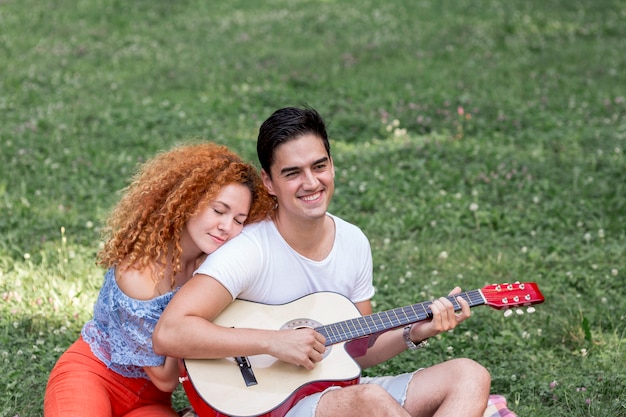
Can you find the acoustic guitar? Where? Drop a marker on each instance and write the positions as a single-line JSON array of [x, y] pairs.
[[262, 385]]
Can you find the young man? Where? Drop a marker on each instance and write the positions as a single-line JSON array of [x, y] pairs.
[[301, 250]]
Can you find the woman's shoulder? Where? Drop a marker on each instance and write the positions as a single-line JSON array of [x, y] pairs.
[[137, 286]]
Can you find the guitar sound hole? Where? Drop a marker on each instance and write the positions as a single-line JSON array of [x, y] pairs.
[[305, 324]]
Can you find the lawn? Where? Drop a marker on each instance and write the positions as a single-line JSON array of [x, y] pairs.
[[475, 142]]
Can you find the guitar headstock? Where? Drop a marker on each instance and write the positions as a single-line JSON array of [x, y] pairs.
[[519, 294]]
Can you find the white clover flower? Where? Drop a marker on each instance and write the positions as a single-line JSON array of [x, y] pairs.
[[601, 233], [443, 255], [587, 237], [27, 256], [386, 241], [402, 280], [473, 207], [614, 272], [524, 249], [399, 132], [89, 224], [536, 199]]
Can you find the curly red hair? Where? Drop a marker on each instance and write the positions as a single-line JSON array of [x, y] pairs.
[[146, 225]]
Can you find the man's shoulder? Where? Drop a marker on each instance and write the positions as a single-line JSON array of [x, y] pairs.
[[340, 222], [257, 228]]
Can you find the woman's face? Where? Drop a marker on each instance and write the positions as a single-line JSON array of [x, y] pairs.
[[221, 220]]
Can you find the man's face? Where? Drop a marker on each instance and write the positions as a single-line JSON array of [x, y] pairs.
[[302, 178]]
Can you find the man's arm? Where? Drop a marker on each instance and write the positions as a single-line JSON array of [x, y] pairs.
[[391, 343], [185, 330]]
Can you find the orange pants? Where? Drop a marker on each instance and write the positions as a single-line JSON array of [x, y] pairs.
[[80, 385]]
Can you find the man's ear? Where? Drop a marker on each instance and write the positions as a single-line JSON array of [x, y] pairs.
[[267, 181]]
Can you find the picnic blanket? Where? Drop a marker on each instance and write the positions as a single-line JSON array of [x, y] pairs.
[[496, 407]]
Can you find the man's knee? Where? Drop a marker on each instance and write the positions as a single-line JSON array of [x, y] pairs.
[[472, 371], [367, 394], [355, 400]]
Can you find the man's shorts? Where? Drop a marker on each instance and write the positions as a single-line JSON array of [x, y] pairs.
[[396, 386]]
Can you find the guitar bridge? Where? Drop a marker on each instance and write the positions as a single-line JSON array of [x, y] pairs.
[[246, 371]]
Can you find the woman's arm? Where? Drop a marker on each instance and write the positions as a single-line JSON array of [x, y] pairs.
[[165, 377]]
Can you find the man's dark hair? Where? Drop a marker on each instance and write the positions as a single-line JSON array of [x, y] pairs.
[[287, 124]]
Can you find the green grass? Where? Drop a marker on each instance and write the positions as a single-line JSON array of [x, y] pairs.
[[90, 88]]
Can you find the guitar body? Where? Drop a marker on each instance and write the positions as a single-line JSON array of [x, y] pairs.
[[216, 387]]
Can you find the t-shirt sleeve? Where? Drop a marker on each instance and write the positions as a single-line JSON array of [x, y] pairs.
[[356, 251], [234, 264], [364, 287]]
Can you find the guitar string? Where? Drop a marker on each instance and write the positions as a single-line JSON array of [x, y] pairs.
[[373, 323]]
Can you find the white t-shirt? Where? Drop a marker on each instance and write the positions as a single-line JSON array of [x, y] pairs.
[[260, 266]]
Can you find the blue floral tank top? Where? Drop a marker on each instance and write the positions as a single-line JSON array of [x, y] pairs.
[[120, 333]]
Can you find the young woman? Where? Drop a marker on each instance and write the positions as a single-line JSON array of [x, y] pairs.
[[180, 207]]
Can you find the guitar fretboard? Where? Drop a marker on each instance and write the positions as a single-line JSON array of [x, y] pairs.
[[390, 319]]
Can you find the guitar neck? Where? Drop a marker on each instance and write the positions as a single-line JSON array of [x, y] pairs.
[[390, 319]]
